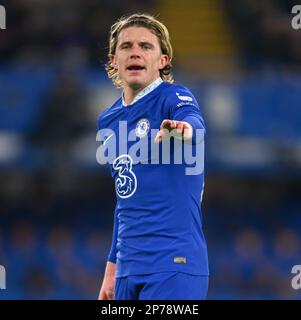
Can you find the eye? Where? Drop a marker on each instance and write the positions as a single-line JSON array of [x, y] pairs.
[[146, 46], [124, 46]]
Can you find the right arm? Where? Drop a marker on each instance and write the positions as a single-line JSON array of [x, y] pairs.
[[107, 289], [108, 284]]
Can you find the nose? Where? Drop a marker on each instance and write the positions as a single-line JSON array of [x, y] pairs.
[[136, 51]]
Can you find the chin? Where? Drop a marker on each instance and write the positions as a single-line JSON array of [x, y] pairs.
[[136, 85]]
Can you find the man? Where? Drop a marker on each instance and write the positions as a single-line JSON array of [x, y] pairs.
[[158, 249]]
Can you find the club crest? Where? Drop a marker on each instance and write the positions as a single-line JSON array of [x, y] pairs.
[[142, 128]]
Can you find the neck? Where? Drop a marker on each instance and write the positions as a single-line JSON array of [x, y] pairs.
[[129, 94]]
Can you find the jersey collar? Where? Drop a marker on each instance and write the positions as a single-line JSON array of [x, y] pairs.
[[144, 92]]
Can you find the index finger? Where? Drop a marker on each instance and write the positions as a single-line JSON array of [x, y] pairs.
[[168, 123]]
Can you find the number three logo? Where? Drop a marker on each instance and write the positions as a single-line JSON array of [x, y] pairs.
[[126, 183]]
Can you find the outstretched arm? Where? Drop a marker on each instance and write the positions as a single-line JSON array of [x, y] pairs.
[[184, 129]]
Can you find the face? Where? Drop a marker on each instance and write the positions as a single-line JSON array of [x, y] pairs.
[[138, 58]]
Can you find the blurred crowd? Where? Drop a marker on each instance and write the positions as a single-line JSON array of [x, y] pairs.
[[61, 31], [265, 33], [76, 31], [55, 238], [57, 204], [253, 229]]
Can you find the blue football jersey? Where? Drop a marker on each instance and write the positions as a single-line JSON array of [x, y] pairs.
[[158, 218]]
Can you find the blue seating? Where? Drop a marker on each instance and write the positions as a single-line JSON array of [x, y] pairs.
[[22, 98]]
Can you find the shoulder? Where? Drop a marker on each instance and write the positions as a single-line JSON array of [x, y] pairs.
[[176, 87], [177, 95], [106, 114], [176, 92]]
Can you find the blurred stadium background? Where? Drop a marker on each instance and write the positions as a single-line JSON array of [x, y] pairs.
[[241, 59]]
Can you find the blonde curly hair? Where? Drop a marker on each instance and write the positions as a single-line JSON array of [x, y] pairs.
[[146, 21]]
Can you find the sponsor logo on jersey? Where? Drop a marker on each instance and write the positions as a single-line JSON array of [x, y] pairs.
[[184, 98], [126, 183]]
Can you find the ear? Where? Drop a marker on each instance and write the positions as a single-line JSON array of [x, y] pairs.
[[163, 61], [113, 61]]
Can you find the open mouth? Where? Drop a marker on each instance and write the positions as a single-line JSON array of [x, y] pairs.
[[135, 68]]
